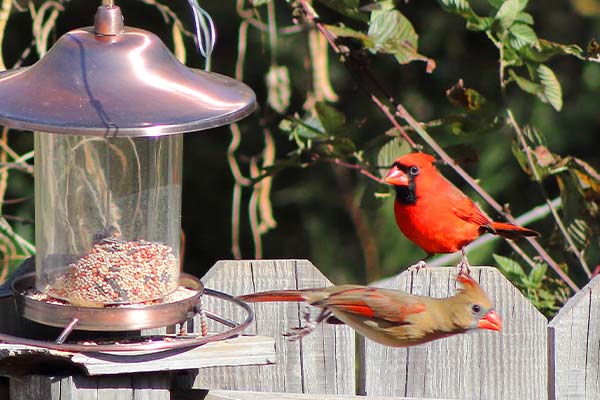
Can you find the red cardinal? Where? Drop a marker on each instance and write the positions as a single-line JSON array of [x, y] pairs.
[[392, 317], [435, 214]]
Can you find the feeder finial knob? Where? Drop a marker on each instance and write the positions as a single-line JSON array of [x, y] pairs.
[[109, 20]]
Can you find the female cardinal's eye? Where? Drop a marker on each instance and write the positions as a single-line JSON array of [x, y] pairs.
[[476, 308], [414, 170]]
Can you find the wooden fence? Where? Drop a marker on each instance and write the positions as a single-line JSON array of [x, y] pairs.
[[529, 359]]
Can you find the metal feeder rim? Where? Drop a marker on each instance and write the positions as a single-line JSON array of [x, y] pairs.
[[174, 342], [105, 318]]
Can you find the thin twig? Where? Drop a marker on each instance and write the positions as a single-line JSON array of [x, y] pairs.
[[359, 168], [572, 247]]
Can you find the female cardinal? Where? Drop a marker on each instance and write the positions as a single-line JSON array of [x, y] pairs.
[[436, 215], [392, 317]]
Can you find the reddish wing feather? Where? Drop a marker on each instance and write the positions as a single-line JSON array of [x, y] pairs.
[[370, 302], [467, 210]]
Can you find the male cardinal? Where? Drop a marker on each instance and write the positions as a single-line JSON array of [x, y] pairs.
[[392, 317], [435, 214]]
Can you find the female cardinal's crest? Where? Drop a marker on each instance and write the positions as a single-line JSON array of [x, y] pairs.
[[466, 280]]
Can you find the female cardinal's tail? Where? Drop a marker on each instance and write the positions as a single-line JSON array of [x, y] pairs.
[[273, 295], [511, 231]]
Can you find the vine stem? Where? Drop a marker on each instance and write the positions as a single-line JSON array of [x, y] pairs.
[[559, 222], [312, 16]]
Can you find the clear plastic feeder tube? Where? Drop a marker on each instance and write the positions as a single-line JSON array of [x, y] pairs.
[[108, 217]]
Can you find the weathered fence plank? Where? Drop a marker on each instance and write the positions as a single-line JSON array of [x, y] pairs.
[[241, 350], [199, 394], [42, 387], [574, 346], [322, 362], [511, 364]]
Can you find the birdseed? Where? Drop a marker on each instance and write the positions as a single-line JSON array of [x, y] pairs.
[[118, 271], [180, 294]]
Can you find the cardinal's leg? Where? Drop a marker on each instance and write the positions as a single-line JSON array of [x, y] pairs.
[[301, 331], [419, 265], [463, 265]]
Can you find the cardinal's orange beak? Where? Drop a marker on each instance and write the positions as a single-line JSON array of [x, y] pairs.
[[490, 321], [396, 177]]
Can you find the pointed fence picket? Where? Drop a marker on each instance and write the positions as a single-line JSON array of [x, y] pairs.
[[529, 359], [574, 346]]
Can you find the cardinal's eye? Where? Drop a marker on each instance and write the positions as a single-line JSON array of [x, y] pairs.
[[414, 170], [476, 308]]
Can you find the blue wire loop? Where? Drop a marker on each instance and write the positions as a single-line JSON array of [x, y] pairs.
[[206, 34]]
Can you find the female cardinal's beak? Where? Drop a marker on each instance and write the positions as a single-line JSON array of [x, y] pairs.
[[490, 321], [396, 177]]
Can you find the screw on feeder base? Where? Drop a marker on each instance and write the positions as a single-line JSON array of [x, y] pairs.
[[109, 19], [202, 313]]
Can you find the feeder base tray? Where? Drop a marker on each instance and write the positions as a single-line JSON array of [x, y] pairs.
[[121, 318]]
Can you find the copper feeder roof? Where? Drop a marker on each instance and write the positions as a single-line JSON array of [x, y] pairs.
[[115, 80]]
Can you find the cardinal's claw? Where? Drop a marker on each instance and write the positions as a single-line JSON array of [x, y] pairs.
[[421, 264], [299, 332], [463, 265]]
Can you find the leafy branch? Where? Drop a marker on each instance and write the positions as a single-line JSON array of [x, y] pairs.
[[312, 17]]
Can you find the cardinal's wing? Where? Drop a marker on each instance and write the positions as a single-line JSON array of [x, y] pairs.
[[376, 303]]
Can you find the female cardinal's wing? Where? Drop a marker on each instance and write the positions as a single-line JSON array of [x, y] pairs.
[[375, 303]]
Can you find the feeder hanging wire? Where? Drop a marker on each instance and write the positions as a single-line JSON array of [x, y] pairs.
[[206, 34]]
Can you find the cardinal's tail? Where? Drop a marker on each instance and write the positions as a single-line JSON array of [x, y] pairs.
[[511, 231], [274, 295]]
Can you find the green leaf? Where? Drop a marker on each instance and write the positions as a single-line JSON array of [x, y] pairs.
[[524, 18], [578, 215], [521, 35], [463, 9], [392, 33], [278, 86], [510, 268], [543, 50], [389, 152], [537, 274], [496, 3], [331, 119], [525, 84], [551, 90], [349, 8], [308, 128], [508, 11], [548, 89], [344, 31]]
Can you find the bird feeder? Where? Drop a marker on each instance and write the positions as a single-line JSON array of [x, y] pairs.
[[108, 105]]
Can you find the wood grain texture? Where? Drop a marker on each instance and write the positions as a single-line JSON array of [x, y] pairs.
[[323, 362], [243, 350], [574, 346], [511, 364], [198, 394], [125, 387]]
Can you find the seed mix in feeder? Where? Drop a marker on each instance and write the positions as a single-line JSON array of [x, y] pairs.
[[118, 271]]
